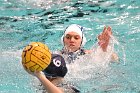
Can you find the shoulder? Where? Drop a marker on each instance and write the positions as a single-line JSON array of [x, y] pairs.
[[88, 51]]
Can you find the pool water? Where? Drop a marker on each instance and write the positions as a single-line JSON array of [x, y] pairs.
[[24, 21]]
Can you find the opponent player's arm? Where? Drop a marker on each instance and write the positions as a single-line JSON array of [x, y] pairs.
[[104, 39], [50, 87]]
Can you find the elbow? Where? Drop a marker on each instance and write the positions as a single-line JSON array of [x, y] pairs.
[[114, 57]]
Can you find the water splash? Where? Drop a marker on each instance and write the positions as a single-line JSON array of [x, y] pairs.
[[114, 42]]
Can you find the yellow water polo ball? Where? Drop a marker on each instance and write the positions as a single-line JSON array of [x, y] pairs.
[[36, 57]]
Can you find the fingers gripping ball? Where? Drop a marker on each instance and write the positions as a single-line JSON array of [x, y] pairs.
[[36, 57]]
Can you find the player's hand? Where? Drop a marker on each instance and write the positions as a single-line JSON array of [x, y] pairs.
[[104, 38], [35, 73]]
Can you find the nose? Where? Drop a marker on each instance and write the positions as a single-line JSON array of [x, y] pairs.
[[72, 39]]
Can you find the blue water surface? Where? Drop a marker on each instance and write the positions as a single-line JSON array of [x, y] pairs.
[[24, 21]]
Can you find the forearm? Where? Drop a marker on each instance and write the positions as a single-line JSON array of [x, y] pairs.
[[50, 87]]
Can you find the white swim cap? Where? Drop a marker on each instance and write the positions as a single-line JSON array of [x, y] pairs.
[[74, 28]]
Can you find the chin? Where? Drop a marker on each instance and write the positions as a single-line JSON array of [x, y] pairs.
[[73, 49]]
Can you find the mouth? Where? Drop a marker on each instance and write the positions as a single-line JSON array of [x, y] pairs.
[[71, 45]]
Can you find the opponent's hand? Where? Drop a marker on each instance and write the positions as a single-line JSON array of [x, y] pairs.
[[38, 74], [35, 73], [104, 38], [28, 71]]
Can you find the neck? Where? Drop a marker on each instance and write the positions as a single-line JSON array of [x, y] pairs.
[[70, 50], [65, 50]]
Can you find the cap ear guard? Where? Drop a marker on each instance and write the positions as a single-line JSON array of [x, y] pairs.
[[62, 40], [84, 40]]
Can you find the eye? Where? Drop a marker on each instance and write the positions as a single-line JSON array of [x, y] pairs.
[[76, 37], [68, 37]]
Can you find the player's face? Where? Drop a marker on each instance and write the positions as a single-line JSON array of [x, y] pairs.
[[72, 41]]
